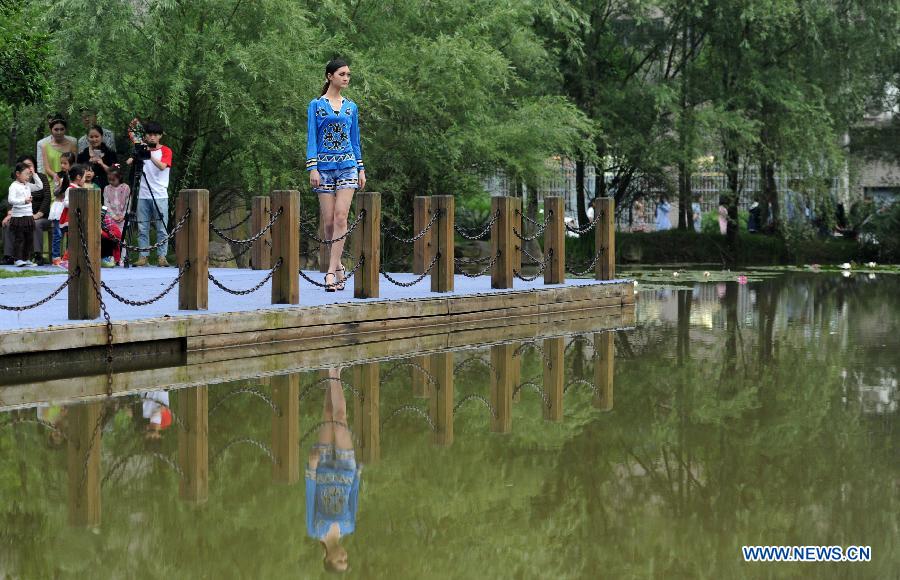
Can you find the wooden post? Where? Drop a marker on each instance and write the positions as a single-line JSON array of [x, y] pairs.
[[192, 406], [442, 398], [324, 249], [502, 361], [444, 268], [604, 369], [192, 245], [421, 385], [286, 428], [515, 374], [423, 248], [554, 240], [286, 246], [517, 244], [502, 242], [365, 282], [366, 379], [83, 302], [554, 377], [261, 252], [83, 459], [605, 238]]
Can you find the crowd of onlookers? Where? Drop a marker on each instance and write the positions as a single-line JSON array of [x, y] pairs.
[[39, 193]]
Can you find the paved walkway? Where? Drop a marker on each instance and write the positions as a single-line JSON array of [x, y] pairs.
[[143, 283]]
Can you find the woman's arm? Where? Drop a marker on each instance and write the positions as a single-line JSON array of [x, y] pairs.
[[354, 140], [312, 153]]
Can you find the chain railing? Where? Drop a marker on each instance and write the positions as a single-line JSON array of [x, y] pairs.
[[254, 237], [434, 217], [320, 424], [359, 218], [534, 387], [587, 228], [579, 383], [543, 265], [464, 261], [47, 298], [148, 301], [421, 277], [589, 269], [234, 292], [409, 364], [159, 243], [349, 275], [250, 391], [249, 440], [344, 385], [410, 408], [480, 235], [470, 360], [540, 227], [233, 227]]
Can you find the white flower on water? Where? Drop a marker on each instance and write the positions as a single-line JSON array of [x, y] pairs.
[[845, 266], [634, 282], [871, 275], [675, 274], [846, 274], [707, 274], [871, 264]]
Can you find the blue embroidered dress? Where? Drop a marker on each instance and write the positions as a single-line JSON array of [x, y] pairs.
[[332, 493], [332, 138]]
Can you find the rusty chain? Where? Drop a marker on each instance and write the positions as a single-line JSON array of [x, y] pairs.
[[309, 234], [249, 290], [255, 236], [434, 217], [470, 236], [147, 302], [427, 271]]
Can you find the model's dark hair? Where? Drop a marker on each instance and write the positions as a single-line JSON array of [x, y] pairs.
[[153, 127], [77, 171], [331, 68], [57, 121], [96, 128]]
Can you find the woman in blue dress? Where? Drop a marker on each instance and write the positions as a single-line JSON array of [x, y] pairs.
[[662, 214], [334, 161], [332, 479]]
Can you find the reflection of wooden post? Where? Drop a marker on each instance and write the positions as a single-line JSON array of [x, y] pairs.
[[260, 253], [365, 283], [554, 241], [192, 406], [421, 386], [502, 387], [444, 267], [286, 428], [423, 248], [83, 302], [554, 377], [286, 245], [442, 398], [605, 238], [83, 464], [604, 366], [502, 242], [366, 380], [517, 244], [192, 245]]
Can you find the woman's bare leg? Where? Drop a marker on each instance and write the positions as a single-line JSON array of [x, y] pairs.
[[326, 218], [341, 209], [342, 439]]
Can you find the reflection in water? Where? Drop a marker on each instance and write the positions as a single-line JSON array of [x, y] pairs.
[[332, 478], [758, 413]]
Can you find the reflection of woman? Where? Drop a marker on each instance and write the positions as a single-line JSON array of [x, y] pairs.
[[332, 479]]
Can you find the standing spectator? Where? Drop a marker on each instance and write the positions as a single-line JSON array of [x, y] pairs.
[[116, 197], [696, 213], [58, 144], [60, 202], [153, 193], [99, 155], [640, 220], [723, 217], [21, 222], [662, 214], [40, 204], [39, 150], [89, 119], [753, 218]]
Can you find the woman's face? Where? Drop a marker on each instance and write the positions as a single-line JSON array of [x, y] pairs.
[[94, 138], [340, 77], [59, 132]]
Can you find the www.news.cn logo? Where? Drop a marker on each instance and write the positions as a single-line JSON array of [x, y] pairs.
[[807, 553]]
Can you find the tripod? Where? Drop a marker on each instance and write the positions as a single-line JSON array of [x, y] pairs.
[[131, 226]]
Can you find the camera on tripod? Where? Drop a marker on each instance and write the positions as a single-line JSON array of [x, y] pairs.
[[141, 151]]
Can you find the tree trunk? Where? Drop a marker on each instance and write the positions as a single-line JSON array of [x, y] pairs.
[[770, 195], [13, 138], [732, 238], [580, 194]]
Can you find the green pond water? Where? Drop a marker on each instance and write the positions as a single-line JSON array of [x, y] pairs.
[[762, 413]]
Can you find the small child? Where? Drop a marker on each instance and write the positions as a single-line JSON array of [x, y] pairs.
[[60, 203], [115, 197], [77, 175], [22, 222]]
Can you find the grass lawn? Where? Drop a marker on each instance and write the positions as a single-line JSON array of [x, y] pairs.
[[5, 273]]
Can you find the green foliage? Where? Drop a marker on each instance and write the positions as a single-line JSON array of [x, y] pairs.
[[883, 232], [25, 66]]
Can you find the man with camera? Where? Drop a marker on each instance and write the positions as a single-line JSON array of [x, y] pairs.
[[153, 192]]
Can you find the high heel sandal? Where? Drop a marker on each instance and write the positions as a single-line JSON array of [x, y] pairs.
[[340, 284], [333, 286]]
